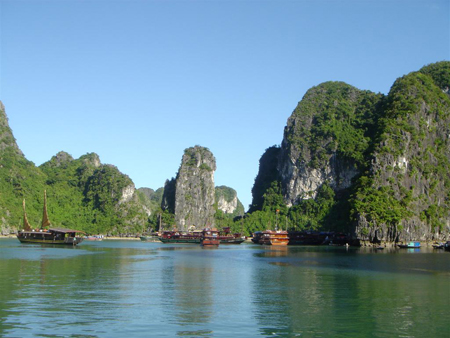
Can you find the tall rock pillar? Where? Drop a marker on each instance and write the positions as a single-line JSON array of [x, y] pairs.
[[194, 192]]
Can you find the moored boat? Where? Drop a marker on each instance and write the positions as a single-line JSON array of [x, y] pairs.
[[256, 237], [409, 245], [174, 236], [226, 237], [210, 237], [51, 236], [274, 237], [438, 245], [46, 235]]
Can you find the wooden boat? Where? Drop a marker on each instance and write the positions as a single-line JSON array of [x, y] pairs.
[[274, 237], [256, 237], [410, 245], [210, 237], [174, 236], [51, 236], [46, 235], [226, 237]]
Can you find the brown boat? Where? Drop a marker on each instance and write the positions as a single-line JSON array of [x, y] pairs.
[[175, 236], [274, 237], [210, 237], [226, 237], [46, 235]]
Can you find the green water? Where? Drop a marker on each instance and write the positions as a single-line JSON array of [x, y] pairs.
[[140, 289]]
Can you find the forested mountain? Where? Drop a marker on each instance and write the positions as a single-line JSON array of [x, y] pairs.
[[375, 166], [82, 194]]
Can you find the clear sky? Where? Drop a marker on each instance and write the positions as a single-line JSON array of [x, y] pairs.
[[137, 82]]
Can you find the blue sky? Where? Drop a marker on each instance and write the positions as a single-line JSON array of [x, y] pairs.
[[137, 82]]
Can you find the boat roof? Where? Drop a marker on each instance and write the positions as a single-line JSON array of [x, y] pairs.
[[63, 230]]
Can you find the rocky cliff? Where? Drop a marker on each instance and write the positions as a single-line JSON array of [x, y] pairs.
[[228, 202], [385, 158], [194, 191], [325, 140], [406, 196], [7, 140]]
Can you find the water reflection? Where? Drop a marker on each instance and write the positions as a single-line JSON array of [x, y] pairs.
[[136, 289], [339, 293], [188, 290]]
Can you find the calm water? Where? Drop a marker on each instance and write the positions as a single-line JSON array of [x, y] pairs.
[[139, 289]]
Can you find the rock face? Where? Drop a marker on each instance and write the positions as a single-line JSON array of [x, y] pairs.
[[411, 162], [194, 190], [316, 144], [267, 174], [228, 202], [7, 139], [386, 158]]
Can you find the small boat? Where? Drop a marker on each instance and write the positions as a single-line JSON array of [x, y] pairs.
[[410, 245], [153, 237], [226, 237], [93, 238], [438, 245], [46, 235], [447, 246], [210, 237], [274, 237]]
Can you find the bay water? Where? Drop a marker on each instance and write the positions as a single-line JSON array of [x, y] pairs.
[[141, 289]]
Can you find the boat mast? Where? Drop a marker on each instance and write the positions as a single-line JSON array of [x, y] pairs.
[[45, 220], [26, 224]]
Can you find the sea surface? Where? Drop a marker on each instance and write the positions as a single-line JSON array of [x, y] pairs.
[[140, 289]]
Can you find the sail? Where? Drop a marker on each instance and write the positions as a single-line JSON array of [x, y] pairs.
[[26, 224], [45, 220]]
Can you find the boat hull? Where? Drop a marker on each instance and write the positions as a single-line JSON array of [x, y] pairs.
[[231, 240], [210, 242], [411, 245], [180, 240], [149, 238], [76, 241]]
